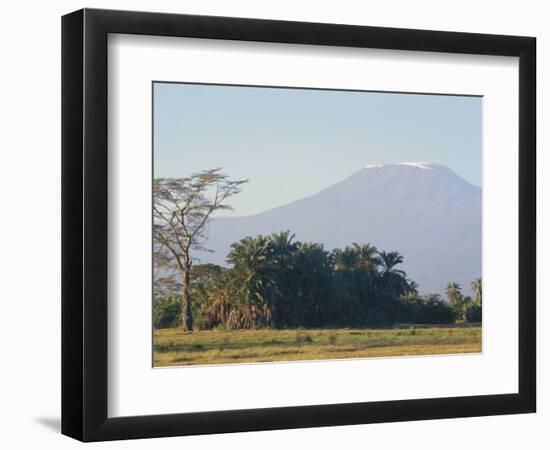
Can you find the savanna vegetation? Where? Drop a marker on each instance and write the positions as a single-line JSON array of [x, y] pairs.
[[274, 281], [172, 346], [289, 299]]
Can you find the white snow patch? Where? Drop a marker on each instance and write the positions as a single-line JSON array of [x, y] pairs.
[[419, 165]]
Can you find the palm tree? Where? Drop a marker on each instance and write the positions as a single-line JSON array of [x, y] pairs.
[[312, 279], [476, 288], [345, 259], [249, 253], [367, 256], [281, 248], [456, 299], [214, 297], [252, 280], [454, 293], [393, 279], [282, 255]]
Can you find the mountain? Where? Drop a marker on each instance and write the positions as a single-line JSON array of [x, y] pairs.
[[425, 211]]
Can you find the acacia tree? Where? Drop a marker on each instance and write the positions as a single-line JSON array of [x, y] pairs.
[[182, 207]]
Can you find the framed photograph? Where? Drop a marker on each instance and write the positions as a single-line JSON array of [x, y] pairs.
[[272, 224]]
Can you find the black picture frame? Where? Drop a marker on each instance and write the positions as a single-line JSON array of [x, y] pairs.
[[84, 224]]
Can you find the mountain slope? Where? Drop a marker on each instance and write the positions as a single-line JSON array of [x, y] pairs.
[[425, 211]]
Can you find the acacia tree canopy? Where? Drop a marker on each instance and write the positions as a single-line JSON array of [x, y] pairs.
[[182, 207]]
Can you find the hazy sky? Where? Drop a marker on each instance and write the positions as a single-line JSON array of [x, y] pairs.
[[291, 143]]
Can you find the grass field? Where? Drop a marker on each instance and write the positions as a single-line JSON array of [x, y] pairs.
[[173, 347]]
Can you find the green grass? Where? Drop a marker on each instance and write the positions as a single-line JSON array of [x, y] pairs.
[[173, 347]]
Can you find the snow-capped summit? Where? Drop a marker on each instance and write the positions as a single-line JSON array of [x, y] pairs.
[[423, 210]]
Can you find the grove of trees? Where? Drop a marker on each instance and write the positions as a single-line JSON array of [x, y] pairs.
[[277, 281]]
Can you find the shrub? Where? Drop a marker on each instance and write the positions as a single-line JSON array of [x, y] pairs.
[[438, 312], [473, 313], [426, 310], [166, 312], [303, 338]]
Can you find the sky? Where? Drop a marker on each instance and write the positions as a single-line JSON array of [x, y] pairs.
[[292, 143]]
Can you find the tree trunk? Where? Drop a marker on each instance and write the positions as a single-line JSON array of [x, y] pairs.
[[186, 311]]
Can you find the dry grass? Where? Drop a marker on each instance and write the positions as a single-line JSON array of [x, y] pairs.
[[173, 347]]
